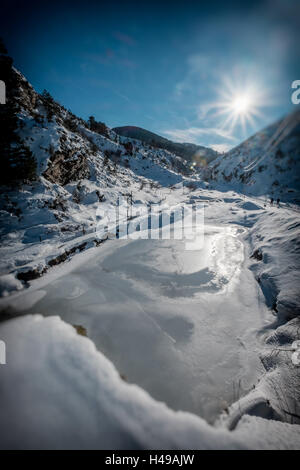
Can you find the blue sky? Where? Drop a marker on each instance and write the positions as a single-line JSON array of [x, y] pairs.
[[174, 68]]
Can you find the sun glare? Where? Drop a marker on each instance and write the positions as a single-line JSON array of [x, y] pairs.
[[241, 104]]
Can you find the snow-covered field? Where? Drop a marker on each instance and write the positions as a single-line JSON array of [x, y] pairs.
[[171, 320], [70, 396], [189, 327]]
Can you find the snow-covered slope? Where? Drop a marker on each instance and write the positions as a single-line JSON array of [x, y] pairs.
[[186, 150], [266, 164], [77, 170]]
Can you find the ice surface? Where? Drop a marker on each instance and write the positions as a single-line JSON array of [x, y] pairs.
[[181, 324]]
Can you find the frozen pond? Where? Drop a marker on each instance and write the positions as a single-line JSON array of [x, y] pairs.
[[181, 324]]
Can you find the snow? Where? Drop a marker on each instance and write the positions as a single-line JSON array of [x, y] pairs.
[[43, 216], [204, 335], [154, 292], [173, 320], [268, 434], [39, 138], [151, 305], [267, 164], [70, 396], [276, 235], [9, 284]]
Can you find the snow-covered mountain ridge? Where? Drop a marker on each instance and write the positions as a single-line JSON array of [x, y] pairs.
[[186, 150], [266, 164]]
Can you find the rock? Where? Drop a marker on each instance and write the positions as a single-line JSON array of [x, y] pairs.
[[80, 330], [65, 167], [257, 254]]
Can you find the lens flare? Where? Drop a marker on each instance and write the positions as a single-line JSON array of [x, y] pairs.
[[240, 103]]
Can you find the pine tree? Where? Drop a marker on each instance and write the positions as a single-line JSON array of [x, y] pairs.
[[92, 123], [97, 126], [48, 103]]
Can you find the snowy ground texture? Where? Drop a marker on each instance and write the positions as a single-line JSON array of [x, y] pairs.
[[183, 349], [193, 328], [60, 392]]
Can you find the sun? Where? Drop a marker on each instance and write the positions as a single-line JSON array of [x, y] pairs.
[[241, 107], [241, 104]]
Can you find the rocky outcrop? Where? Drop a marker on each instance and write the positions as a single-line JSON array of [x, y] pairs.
[[66, 167], [64, 256], [31, 274]]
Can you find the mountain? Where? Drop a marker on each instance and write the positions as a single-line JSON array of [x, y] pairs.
[[268, 163], [56, 170], [188, 151]]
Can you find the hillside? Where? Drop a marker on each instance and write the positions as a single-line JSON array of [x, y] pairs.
[[56, 171], [188, 151], [266, 164]]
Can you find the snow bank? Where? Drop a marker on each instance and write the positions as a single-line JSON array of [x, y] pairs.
[[274, 434], [8, 283], [276, 236], [58, 392]]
